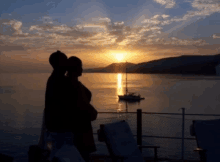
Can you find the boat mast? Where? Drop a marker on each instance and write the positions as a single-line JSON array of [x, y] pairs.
[[126, 78]]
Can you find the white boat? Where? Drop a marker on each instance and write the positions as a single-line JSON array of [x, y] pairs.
[[129, 96]]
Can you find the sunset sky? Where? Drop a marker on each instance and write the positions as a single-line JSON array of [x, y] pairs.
[[101, 32]]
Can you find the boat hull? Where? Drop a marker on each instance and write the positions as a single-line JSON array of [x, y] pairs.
[[130, 98]]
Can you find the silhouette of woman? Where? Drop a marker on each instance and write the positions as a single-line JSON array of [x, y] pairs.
[[79, 101]]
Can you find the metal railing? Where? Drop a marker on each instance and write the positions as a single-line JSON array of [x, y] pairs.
[[139, 125]]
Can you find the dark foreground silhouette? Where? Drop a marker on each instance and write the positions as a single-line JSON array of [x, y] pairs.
[[67, 107]]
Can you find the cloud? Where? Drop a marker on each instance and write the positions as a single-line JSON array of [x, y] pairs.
[[118, 23], [95, 34], [105, 19], [94, 28], [11, 27], [51, 28], [157, 20], [166, 3], [48, 29], [185, 42], [98, 20], [100, 32], [205, 4], [7, 46], [151, 22], [152, 36], [203, 8], [165, 16], [214, 36], [174, 41], [47, 20], [35, 27]]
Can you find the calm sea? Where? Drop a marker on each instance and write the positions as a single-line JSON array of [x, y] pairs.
[[22, 104]]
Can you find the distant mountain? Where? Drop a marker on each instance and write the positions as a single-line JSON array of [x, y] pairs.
[[117, 67], [98, 70], [198, 65], [201, 65], [113, 68]]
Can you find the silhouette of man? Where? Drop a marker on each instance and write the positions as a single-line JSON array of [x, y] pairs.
[[79, 101], [56, 91], [54, 119]]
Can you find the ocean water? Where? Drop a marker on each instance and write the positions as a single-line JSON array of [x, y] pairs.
[[22, 103]]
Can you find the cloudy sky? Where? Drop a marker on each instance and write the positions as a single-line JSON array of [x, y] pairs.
[[101, 32]]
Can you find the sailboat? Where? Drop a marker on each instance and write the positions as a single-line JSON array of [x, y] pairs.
[[129, 96]]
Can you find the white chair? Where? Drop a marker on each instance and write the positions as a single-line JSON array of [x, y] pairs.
[[207, 133], [120, 142]]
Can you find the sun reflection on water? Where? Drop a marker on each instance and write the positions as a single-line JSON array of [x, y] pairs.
[[119, 87]]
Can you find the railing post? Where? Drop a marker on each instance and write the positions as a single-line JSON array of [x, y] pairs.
[[139, 128], [183, 120]]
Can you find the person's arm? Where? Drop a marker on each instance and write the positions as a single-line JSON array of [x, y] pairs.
[[87, 93], [85, 107], [89, 111]]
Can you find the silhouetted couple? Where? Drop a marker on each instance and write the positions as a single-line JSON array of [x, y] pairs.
[[68, 112]]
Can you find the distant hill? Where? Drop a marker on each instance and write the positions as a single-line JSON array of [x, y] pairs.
[[98, 70], [117, 67], [198, 65], [113, 68]]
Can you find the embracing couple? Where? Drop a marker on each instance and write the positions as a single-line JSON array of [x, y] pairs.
[[68, 112]]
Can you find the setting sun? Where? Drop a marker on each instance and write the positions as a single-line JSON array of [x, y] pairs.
[[119, 56]]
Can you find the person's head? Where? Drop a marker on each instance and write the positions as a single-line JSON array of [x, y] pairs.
[[74, 66], [58, 61]]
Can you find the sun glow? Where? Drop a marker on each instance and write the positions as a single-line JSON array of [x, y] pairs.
[[119, 56]]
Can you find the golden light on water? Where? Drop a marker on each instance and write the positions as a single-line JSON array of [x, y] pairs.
[[119, 87], [119, 109]]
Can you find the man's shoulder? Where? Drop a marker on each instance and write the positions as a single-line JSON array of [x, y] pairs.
[[49, 80], [57, 79], [57, 82]]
